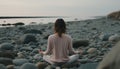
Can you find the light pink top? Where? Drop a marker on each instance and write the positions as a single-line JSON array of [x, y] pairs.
[[59, 47]]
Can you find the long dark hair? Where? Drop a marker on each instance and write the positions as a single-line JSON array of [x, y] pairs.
[[60, 27]]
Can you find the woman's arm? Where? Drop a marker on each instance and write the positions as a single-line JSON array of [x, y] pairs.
[[49, 47], [71, 49]]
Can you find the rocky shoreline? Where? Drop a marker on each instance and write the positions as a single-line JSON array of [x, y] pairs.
[[19, 45]]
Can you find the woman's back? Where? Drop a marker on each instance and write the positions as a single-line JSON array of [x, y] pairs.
[[61, 46]]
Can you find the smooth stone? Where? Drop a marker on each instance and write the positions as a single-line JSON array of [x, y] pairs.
[[6, 46], [8, 54], [49, 67], [28, 66], [79, 43], [6, 61], [10, 67], [41, 65], [104, 37], [2, 66], [33, 31], [37, 57], [26, 49], [20, 55], [91, 50], [19, 62], [114, 38], [35, 50], [27, 38]]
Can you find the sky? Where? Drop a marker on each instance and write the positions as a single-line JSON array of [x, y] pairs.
[[58, 7]]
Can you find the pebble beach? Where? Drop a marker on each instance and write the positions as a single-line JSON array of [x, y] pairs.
[[19, 45]]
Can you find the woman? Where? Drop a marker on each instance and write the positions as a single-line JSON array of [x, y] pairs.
[[59, 46]]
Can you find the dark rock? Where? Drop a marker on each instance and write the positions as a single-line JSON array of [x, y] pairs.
[[4, 24], [78, 43], [2, 66], [114, 15], [19, 62], [8, 24], [6, 46], [6, 61], [8, 54], [26, 38], [46, 36], [22, 28], [33, 31], [28, 66], [18, 24], [94, 28]]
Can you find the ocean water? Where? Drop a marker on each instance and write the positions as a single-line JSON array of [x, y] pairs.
[[31, 21]]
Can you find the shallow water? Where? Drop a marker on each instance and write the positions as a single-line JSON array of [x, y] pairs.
[[31, 21]]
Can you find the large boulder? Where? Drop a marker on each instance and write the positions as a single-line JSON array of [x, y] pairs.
[[19, 62], [78, 43], [5, 39], [33, 31], [8, 54], [112, 59], [28, 66], [6, 61], [27, 38], [6, 46], [114, 15]]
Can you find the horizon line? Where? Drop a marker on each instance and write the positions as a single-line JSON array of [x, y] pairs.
[[13, 17]]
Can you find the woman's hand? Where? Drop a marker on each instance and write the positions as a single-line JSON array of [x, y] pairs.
[[41, 52], [79, 51]]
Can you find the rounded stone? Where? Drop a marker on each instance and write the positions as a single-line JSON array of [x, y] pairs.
[[91, 50], [6, 61], [6, 46], [114, 38], [41, 65], [19, 62], [2, 66], [10, 67], [28, 66], [26, 38]]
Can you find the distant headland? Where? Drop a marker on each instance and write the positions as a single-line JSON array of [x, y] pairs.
[[14, 17]]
